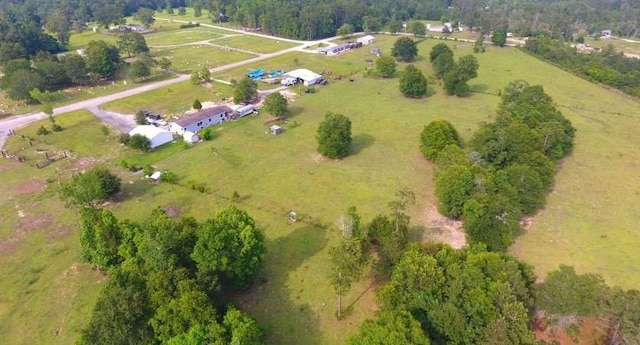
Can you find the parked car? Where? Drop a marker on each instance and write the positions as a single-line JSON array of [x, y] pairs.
[[322, 81], [288, 81]]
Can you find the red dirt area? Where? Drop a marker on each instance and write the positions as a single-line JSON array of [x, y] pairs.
[[172, 211], [589, 332], [31, 186], [6, 164]]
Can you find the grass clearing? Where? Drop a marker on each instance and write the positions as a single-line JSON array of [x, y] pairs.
[[189, 58], [590, 211], [181, 36], [254, 43], [172, 100]]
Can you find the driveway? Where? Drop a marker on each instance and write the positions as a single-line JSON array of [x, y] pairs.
[[122, 122]]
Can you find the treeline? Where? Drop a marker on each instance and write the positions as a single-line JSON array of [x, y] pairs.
[[508, 169], [608, 66]]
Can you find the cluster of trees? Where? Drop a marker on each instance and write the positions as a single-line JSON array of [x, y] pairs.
[[169, 279], [608, 66], [509, 167], [455, 75], [441, 295], [44, 71], [385, 237]]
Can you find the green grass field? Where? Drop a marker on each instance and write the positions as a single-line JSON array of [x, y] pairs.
[[588, 221], [254, 43], [188, 58], [181, 36]]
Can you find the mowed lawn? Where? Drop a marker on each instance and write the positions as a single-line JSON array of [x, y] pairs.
[[254, 43], [186, 59], [588, 222]]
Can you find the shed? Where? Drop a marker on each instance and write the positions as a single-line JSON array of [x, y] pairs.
[[155, 135], [275, 129], [155, 177], [366, 40], [190, 137], [308, 77]]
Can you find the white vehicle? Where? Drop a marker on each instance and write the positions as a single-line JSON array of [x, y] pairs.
[[288, 81]]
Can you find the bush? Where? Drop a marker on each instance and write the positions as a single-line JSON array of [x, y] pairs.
[[169, 177], [105, 130], [435, 137], [141, 118], [189, 25], [139, 142], [206, 134], [56, 127], [197, 104], [124, 139], [334, 136], [42, 131]]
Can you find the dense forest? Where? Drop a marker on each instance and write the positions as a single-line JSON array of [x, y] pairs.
[[22, 22]]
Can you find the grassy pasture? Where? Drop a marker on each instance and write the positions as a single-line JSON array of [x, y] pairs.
[[181, 36], [188, 58], [254, 43], [590, 210]]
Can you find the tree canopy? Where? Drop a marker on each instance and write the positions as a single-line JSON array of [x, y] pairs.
[[334, 136], [245, 90], [404, 49], [436, 136], [385, 66], [413, 84], [276, 104], [90, 188]]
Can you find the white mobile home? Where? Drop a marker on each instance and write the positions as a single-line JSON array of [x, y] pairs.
[[201, 119]]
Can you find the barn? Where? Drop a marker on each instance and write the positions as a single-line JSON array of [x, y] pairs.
[[366, 40], [200, 119], [156, 136], [308, 77]]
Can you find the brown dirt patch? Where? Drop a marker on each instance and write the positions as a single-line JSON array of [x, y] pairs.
[[318, 158], [60, 231], [32, 186], [33, 222], [172, 211], [442, 229], [82, 164], [7, 164], [588, 331]]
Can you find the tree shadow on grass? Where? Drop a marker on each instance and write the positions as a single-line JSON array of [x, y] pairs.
[[361, 142], [277, 306], [480, 88]]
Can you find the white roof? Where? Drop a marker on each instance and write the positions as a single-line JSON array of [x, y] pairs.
[[303, 74], [156, 175], [275, 127], [148, 131], [365, 38]]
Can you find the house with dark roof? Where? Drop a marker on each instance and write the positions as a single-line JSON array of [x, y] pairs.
[[201, 119]]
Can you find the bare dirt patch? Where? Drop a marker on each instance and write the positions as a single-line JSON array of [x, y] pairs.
[[32, 186], [318, 158], [8, 165], [82, 164], [587, 331], [442, 229], [33, 222], [172, 211]]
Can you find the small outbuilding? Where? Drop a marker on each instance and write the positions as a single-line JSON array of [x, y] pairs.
[[156, 136], [308, 77], [366, 40], [190, 137], [275, 129]]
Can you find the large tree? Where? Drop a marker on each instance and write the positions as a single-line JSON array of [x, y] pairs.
[[396, 327], [102, 59], [404, 49], [436, 136], [139, 71], [413, 84], [100, 236], [345, 31], [131, 42], [245, 91], [441, 57], [90, 188], [385, 66], [417, 28], [334, 136], [145, 16], [455, 80], [231, 246], [453, 188], [276, 104]]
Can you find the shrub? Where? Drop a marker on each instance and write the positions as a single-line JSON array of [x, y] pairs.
[[42, 131], [139, 142], [169, 177], [124, 139], [56, 127], [189, 25], [206, 134], [105, 130]]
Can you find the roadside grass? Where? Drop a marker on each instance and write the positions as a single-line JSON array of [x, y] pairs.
[[80, 40], [254, 43], [186, 59], [589, 221], [172, 100], [620, 44]]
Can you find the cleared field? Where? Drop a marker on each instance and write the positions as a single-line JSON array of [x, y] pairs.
[[181, 36], [590, 211], [79, 40], [254, 43], [188, 58], [175, 99], [627, 46]]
